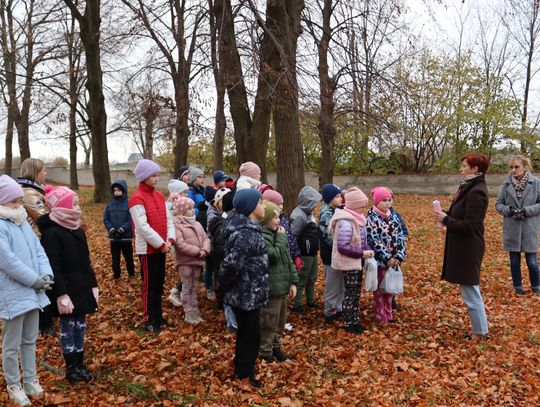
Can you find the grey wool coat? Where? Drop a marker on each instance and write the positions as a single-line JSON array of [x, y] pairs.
[[520, 235]]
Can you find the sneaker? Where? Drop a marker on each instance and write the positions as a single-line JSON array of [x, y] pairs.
[[153, 328], [314, 305], [33, 389], [17, 395], [279, 355], [519, 291], [395, 305], [191, 317], [256, 384], [174, 297], [211, 295], [354, 329], [267, 359], [198, 317], [330, 319], [299, 310]]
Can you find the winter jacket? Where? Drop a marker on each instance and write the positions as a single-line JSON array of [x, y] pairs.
[[245, 182], [520, 235], [211, 213], [217, 240], [308, 198], [33, 202], [190, 240], [294, 250], [401, 222], [70, 261], [326, 240], [243, 274], [22, 262], [197, 195], [349, 241], [153, 223], [281, 270], [385, 238], [117, 215], [464, 245]]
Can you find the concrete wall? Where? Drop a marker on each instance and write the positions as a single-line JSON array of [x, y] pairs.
[[400, 184]]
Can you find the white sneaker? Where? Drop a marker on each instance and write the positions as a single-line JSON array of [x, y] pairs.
[[191, 317], [33, 389], [211, 295], [18, 396], [198, 317], [174, 297]]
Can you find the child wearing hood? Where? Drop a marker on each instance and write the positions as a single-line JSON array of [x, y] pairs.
[[25, 274], [117, 221], [349, 247], [307, 234]]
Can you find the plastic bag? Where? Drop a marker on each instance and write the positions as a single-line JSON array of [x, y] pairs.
[[370, 274], [392, 282]]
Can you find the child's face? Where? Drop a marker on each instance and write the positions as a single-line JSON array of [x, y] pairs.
[[221, 184], [258, 213], [189, 212], [117, 192], [186, 178], [76, 203], [336, 202], [41, 176], [199, 181], [362, 210], [385, 204], [280, 206], [273, 223], [14, 204], [152, 181]]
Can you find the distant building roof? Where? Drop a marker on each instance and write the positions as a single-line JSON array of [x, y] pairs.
[[135, 157]]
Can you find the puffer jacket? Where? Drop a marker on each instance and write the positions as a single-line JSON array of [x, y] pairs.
[[117, 215], [385, 237], [294, 250], [282, 272], [308, 198], [190, 240], [243, 274], [33, 202], [197, 195], [349, 241], [245, 182], [22, 262]]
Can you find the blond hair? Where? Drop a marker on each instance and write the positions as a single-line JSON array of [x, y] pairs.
[[525, 161], [31, 167]]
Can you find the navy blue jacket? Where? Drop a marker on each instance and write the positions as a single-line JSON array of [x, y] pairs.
[[117, 215]]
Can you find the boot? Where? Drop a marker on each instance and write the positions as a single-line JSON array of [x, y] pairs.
[[191, 317], [174, 297], [198, 317], [72, 373], [83, 373]]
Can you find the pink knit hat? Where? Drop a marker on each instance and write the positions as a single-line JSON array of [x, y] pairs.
[[355, 198], [250, 169], [273, 196], [9, 189], [59, 197], [182, 203], [380, 193]]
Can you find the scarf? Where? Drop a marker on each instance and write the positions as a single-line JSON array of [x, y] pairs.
[[360, 218], [384, 215], [17, 216], [519, 185], [468, 178], [188, 219], [67, 218]]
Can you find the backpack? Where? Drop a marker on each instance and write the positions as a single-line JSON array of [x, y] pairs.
[[308, 241]]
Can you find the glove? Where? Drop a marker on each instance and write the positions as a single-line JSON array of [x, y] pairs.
[[112, 231], [120, 231], [298, 263], [512, 212], [519, 214], [95, 292], [64, 304], [48, 283], [40, 284]]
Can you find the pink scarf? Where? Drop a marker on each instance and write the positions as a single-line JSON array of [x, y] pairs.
[[360, 218], [385, 215], [67, 218]]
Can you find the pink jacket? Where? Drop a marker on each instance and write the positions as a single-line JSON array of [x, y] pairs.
[[190, 240], [349, 241]]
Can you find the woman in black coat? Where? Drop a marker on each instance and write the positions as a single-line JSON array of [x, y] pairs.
[[75, 292], [465, 246]]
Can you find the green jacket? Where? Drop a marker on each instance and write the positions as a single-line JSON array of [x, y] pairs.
[[282, 272]]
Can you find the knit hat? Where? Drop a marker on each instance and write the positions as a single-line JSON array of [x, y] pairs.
[[182, 171], [329, 192], [273, 196], [270, 212], [245, 200], [59, 197], [177, 186], [227, 201], [220, 193], [209, 193], [195, 172], [145, 169], [9, 189], [380, 193], [220, 176], [250, 169], [355, 198], [182, 204]]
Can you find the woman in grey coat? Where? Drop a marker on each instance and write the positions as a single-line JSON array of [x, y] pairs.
[[519, 203]]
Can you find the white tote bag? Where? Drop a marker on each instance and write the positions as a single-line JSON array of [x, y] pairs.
[[370, 274], [392, 282]]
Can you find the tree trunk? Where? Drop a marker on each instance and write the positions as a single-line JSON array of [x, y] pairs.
[[182, 125], [8, 163], [73, 177], [149, 137]]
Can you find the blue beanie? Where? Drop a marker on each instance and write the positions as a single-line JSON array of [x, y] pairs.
[[220, 176], [245, 200], [209, 193], [329, 192], [182, 171]]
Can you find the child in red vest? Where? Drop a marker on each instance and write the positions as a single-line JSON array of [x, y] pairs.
[[154, 237]]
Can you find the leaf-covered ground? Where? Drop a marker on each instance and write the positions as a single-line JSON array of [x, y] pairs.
[[422, 360]]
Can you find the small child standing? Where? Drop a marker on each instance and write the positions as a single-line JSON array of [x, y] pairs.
[[282, 281], [250, 176], [192, 247], [117, 221], [386, 238], [307, 234], [24, 275], [334, 288], [154, 237], [196, 193], [75, 286]]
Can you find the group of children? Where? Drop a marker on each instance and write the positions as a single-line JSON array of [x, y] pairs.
[[254, 260]]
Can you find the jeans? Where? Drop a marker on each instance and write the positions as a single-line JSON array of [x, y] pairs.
[[475, 306], [532, 265]]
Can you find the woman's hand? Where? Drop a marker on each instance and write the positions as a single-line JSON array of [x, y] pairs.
[[65, 306], [439, 216]]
